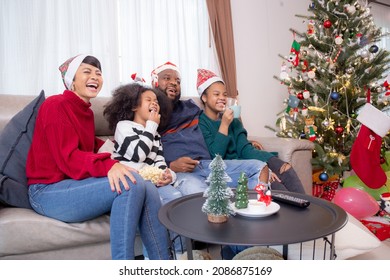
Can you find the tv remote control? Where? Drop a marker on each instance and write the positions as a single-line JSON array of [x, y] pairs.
[[300, 202]]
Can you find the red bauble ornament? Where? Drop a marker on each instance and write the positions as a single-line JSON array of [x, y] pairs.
[[300, 95], [327, 23], [382, 160], [339, 129]]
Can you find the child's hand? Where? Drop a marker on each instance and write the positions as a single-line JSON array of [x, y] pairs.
[[257, 145], [165, 178], [154, 116], [226, 120], [227, 117], [274, 178]]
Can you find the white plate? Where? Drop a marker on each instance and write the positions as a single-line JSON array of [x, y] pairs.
[[253, 212]]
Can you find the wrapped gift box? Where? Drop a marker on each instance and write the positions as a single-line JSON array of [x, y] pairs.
[[325, 189]]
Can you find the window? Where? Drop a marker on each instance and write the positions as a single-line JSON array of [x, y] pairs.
[[381, 16], [127, 36]]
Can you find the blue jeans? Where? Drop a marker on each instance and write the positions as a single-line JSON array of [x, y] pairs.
[[194, 182], [168, 193], [74, 201]]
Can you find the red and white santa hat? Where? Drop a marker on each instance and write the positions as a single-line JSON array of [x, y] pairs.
[[205, 79], [69, 68], [385, 196], [167, 65], [137, 78]]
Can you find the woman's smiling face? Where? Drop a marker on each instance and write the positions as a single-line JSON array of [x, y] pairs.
[[87, 82]]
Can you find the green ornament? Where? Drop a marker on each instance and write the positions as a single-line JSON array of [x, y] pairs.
[[241, 204], [242, 192]]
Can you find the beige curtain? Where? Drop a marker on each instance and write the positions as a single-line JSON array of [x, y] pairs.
[[222, 28]]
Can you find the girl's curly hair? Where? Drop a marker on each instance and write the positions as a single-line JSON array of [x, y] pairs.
[[126, 98]]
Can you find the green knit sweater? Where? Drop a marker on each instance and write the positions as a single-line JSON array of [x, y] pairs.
[[235, 145]]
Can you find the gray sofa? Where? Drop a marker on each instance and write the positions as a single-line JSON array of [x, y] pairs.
[[25, 234]]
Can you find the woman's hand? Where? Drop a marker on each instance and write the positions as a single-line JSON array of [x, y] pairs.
[[165, 178], [117, 174], [184, 164]]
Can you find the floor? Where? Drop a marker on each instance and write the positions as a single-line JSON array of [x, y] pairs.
[[210, 251], [213, 252]]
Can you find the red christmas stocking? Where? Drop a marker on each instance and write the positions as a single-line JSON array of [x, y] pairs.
[[294, 53], [365, 154]]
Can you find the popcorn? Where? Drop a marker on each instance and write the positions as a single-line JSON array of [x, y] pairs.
[[151, 173]]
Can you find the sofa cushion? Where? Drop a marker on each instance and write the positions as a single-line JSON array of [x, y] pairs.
[[15, 141], [23, 231], [13, 193]]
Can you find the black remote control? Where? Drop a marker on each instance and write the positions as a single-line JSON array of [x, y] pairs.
[[300, 202]]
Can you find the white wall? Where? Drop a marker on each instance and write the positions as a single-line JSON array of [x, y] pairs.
[[261, 32]]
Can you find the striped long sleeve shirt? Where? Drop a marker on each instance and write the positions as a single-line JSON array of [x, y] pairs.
[[137, 146]]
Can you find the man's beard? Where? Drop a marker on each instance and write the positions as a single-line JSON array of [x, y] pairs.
[[174, 101], [177, 98]]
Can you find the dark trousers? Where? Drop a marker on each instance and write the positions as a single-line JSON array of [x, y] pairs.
[[290, 181]]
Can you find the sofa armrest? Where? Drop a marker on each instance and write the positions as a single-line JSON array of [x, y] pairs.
[[284, 146], [297, 152]]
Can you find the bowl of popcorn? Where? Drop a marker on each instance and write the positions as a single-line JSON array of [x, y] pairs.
[[151, 173]]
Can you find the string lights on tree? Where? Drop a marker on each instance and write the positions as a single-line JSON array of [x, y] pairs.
[[334, 67]]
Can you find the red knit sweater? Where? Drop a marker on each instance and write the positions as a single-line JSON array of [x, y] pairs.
[[64, 145]]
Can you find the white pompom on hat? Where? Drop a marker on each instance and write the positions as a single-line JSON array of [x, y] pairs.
[[69, 68], [205, 79], [167, 65]]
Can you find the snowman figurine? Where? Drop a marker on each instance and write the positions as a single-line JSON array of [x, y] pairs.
[[385, 205]]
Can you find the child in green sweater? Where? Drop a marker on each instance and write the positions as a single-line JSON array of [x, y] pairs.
[[226, 136]]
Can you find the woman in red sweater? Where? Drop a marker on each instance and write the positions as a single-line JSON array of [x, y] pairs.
[[70, 181]]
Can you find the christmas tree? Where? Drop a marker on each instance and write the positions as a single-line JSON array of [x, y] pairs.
[[242, 192], [333, 69], [218, 193]]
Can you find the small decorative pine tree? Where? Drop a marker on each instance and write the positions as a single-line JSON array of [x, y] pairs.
[[218, 193], [242, 192]]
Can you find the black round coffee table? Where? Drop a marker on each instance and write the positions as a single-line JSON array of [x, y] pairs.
[[289, 225]]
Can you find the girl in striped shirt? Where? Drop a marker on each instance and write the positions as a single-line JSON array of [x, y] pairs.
[[134, 112]]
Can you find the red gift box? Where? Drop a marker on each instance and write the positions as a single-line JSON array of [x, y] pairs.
[[326, 190]]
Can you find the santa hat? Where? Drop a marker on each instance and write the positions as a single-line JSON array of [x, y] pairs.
[[136, 78], [205, 79], [68, 69], [159, 69], [374, 119], [385, 196]]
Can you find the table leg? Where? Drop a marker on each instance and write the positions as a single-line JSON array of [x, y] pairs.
[[332, 247], [285, 252], [190, 256]]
